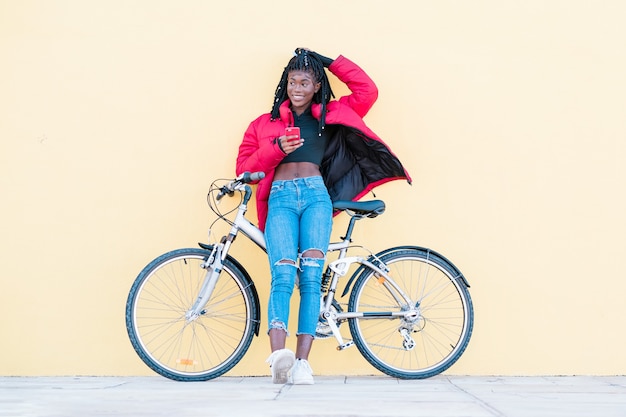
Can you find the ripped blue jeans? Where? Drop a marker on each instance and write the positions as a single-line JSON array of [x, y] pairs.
[[299, 220]]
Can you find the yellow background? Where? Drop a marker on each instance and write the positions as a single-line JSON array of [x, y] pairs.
[[510, 116]]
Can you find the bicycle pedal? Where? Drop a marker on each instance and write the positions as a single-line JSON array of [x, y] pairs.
[[345, 345]]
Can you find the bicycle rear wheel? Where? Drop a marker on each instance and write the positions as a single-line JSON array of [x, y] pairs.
[[190, 350], [430, 339]]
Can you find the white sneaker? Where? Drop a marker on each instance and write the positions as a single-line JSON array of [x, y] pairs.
[[281, 361], [301, 373]]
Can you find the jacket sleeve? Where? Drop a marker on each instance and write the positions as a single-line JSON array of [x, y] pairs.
[[364, 90], [256, 152]]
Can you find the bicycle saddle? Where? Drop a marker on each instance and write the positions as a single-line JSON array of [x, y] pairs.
[[370, 208]]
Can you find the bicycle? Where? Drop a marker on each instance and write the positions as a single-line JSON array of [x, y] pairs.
[[192, 313]]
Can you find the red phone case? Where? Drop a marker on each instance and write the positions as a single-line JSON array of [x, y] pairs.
[[290, 131]]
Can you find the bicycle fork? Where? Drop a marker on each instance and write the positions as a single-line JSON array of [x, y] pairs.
[[213, 266]]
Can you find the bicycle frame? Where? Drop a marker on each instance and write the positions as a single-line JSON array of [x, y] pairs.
[[407, 308], [338, 268]]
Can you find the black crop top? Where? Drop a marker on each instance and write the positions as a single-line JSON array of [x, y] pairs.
[[312, 150]]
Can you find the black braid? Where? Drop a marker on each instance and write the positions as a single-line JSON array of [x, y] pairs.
[[303, 61]]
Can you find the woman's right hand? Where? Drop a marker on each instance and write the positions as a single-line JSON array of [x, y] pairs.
[[289, 143]]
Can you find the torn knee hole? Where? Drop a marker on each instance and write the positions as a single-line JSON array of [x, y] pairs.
[[313, 253], [286, 262]]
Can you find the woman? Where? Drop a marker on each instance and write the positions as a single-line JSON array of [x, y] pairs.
[[336, 157]]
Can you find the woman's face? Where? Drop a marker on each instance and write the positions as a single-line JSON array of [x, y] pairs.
[[301, 88]]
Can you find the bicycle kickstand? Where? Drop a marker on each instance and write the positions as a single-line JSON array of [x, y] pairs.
[[331, 320]]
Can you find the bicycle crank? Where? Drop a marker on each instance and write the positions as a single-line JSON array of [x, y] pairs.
[[323, 329]]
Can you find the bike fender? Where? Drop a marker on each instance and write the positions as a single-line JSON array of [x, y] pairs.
[[360, 269]]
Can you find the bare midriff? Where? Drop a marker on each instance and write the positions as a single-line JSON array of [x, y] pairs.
[[292, 170]]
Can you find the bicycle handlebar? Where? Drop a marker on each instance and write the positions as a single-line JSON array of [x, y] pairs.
[[248, 177], [244, 178]]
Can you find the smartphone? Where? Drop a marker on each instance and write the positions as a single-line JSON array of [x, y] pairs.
[[291, 131]]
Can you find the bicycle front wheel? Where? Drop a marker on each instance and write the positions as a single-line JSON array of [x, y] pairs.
[[185, 349], [416, 340]]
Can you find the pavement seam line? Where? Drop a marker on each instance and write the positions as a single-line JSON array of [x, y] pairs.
[[487, 406], [284, 388]]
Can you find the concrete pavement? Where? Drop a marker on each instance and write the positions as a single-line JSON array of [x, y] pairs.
[[336, 396]]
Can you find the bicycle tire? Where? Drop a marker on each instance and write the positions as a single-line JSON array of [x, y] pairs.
[[197, 350], [441, 331]]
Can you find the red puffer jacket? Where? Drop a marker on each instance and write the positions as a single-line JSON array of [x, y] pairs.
[[356, 159]]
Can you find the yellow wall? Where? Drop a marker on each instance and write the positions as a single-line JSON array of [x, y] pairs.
[[510, 115]]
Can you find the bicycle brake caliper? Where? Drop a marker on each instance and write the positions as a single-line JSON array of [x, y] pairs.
[[341, 266]]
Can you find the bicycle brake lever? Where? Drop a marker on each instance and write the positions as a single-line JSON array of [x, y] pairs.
[[223, 191], [244, 178]]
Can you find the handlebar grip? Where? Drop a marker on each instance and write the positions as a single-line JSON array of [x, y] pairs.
[[248, 177]]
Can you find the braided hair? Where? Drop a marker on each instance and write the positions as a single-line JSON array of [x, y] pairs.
[[307, 61]]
